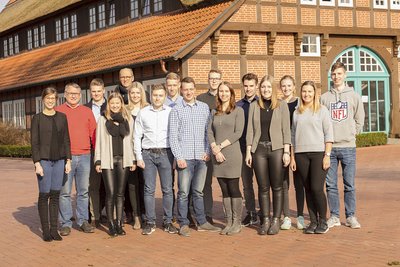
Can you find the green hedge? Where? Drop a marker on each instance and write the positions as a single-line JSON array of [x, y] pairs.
[[15, 151], [371, 139]]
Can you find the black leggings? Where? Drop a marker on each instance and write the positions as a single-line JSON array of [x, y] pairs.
[[229, 187], [299, 188], [268, 167], [115, 182], [134, 193], [309, 167]]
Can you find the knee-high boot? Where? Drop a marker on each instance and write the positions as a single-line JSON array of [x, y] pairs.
[[43, 207], [54, 207], [237, 207], [228, 214]]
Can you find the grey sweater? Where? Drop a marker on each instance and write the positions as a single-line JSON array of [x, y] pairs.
[[346, 111], [310, 131]]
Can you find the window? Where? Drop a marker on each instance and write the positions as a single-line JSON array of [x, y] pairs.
[[14, 112], [10, 46], [5, 46], [65, 28], [149, 84], [102, 15], [327, 2], [16, 44], [42, 35], [368, 63], [395, 4], [29, 39], [380, 3], [308, 2], [348, 60], [92, 19], [134, 9], [7, 110], [36, 37], [146, 8], [157, 5], [310, 45], [111, 20], [348, 3], [74, 26], [58, 30]]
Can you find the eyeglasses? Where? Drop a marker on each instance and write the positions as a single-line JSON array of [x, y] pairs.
[[72, 94], [125, 77]]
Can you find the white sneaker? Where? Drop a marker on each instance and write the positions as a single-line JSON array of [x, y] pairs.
[[287, 223], [352, 222], [300, 223], [333, 221]]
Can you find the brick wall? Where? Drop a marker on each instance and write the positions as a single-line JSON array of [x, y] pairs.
[[345, 18], [259, 67], [204, 48], [228, 43], [246, 13], [230, 70], [362, 3], [363, 19], [380, 19], [198, 69], [257, 44], [268, 14], [289, 15], [308, 16], [327, 17], [310, 70], [284, 44], [395, 20], [283, 67]]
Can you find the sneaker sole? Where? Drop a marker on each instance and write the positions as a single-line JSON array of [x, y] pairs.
[[334, 225], [212, 231], [152, 231], [170, 232], [353, 227], [320, 233]]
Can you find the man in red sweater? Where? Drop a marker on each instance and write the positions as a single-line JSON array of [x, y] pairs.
[[82, 132]]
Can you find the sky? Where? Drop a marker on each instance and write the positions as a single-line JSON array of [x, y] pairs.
[[2, 4]]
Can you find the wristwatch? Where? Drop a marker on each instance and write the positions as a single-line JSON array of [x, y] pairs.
[[328, 154]]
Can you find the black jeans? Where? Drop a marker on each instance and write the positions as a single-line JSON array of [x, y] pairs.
[[299, 188], [268, 167], [309, 167], [115, 182], [229, 187]]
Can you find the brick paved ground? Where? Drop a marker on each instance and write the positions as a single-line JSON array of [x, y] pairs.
[[377, 243]]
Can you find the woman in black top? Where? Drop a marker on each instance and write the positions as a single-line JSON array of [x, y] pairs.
[[51, 154]]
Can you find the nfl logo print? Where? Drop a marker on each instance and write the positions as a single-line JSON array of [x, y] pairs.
[[339, 111]]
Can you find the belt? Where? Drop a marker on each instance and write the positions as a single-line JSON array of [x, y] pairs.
[[265, 143], [157, 150]]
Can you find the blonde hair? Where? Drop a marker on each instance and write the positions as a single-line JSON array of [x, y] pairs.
[[274, 96], [143, 100], [290, 78], [316, 105], [125, 114]]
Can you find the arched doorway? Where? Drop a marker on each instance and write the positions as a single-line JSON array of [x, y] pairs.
[[369, 77]]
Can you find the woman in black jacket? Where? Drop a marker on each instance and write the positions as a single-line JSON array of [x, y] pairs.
[[51, 154]]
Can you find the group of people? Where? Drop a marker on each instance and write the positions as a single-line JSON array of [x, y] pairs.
[[118, 145]]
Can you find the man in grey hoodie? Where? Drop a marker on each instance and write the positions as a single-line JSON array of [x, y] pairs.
[[347, 115]]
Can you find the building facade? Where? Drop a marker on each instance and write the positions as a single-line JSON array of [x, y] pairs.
[[302, 38]]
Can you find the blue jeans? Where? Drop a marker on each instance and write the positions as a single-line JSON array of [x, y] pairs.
[[191, 180], [53, 174], [161, 162], [80, 170], [347, 158]]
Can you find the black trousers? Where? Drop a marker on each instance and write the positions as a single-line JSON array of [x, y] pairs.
[[309, 167], [115, 182], [134, 193], [299, 188], [230, 187], [268, 167]]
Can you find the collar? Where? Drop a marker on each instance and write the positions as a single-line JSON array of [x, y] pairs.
[[162, 108], [68, 105]]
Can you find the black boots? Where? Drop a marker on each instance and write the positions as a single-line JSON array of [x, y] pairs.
[[112, 231], [265, 224], [119, 229], [43, 207], [53, 208], [275, 226], [228, 215]]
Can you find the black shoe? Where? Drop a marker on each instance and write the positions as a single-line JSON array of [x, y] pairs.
[[119, 229], [55, 235], [170, 228], [311, 228], [149, 229], [322, 227], [112, 231], [275, 226], [65, 230], [47, 237], [250, 219], [210, 219], [86, 227], [264, 226]]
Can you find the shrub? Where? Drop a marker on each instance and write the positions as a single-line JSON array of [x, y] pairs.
[[15, 151], [10, 135], [371, 139]]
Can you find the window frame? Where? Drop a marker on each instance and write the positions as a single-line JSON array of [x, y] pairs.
[[111, 16], [158, 6], [384, 5], [394, 5], [134, 5], [318, 46], [308, 2], [16, 43], [65, 27], [74, 25], [101, 14], [327, 3], [36, 43], [58, 30], [42, 35], [29, 39], [92, 19], [343, 4], [10, 46], [5, 47]]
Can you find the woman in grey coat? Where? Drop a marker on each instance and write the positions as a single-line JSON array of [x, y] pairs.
[[268, 143], [224, 131]]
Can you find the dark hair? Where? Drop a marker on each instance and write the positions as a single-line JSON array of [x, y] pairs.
[[249, 77], [188, 80], [49, 91], [159, 86], [338, 65], [232, 103]]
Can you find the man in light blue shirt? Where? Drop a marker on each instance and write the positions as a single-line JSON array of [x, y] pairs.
[[153, 154], [189, 144], [173, 84]]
